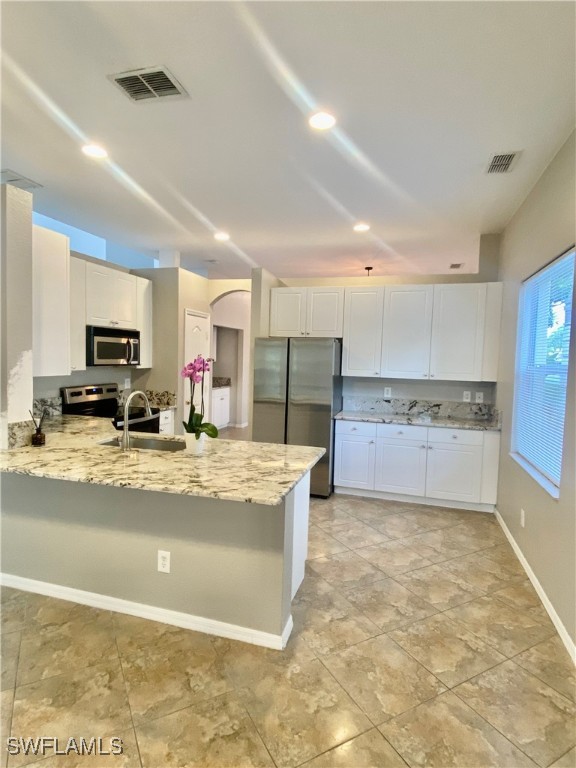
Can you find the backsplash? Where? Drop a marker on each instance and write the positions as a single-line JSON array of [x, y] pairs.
[[414, 389], [443, 409], [159, 399]]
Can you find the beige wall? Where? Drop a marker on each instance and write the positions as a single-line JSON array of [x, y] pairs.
[[542, 228]]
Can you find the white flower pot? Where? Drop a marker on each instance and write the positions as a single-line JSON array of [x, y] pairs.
[[194, 445]]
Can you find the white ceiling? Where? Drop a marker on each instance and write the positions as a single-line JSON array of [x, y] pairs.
[[424, 92]]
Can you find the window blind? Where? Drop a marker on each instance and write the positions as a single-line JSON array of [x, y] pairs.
[[542, 366]]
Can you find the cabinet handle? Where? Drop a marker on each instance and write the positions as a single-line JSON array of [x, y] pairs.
[[301, 333], [376, 373], [430, 447], [454, 437], [307, 333], [353, 429], [432, 375], [425, 375], [422, 446], [371, 442], [400, 432]]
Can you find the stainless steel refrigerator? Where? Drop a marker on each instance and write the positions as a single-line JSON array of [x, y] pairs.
[[297, 393]]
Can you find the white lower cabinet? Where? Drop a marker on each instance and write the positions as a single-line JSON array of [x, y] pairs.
[[401, 459], [167, 422], [354, 455], [220, 416], [434, 463]]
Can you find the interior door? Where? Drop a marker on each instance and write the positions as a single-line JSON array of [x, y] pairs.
[[196, 342]]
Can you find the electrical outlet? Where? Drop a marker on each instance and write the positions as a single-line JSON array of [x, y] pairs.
[[466, 396], [163, 561], [522, 518], [479, 397], [387, 391], [127, 383]]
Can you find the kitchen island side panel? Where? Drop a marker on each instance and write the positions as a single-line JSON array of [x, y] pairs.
[[229, 560]]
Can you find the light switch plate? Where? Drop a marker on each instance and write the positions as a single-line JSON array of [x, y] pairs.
[[387, 391], [479, 397], [466, 396], [127, 383]]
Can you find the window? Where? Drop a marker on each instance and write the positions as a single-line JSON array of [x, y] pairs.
[[542, 371]]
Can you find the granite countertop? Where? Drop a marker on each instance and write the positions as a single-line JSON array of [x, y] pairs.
[[421, 420], [232, 470]]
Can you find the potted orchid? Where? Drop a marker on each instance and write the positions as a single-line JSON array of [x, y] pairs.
[[195, 428]]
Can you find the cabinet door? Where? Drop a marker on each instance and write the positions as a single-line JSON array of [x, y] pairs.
[[51, 303], [458, 332], [406, 331], [354, 462], [490, 464], [454, 472], [144, 320], [288, 312], [221, 407], [99, 295], [362, 336], [492, 331], [77, 314], [400, 466], [125, 300], [325, 312]]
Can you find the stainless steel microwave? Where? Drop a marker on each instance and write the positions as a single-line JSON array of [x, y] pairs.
[[112, 346]]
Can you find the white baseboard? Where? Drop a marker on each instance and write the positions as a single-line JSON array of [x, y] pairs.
[[239, 426], [561, 629], [151, 612], [415, 499]]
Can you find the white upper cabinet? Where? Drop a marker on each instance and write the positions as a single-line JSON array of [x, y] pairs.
[[315, 312], [458, 332], [144, 320], [362, 342], [492, 331], [406, 331], [51, 303], [110, 297], [77, 314]]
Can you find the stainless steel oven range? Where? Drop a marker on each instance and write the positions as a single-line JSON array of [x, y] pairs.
[[102, 400]]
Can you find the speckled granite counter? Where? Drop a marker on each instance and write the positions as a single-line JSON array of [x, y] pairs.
[[229, 470], [423, 420]]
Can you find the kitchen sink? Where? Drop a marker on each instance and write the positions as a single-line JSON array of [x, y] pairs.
[[149, 443]]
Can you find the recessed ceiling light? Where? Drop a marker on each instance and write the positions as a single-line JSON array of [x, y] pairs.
[[322, 121], [361, 227], [221, 236], [93, 150]]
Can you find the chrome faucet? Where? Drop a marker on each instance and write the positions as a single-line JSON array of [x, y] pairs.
[[125, 444]]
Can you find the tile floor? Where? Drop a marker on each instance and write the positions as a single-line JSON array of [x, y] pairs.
[[418, 641]]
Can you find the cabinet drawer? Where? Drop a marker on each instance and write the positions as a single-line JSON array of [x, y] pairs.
[[358, 428], [402, 431], [455, 436]]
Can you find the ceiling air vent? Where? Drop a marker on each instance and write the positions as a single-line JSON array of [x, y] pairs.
[[150, 83], [502, 163], [17, 180]]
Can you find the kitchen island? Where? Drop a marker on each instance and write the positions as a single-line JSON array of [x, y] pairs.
[[85, 522]]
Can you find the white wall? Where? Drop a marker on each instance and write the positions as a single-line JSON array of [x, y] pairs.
[[543, 227]]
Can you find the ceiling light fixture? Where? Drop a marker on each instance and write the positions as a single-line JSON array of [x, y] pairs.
[[361, 227], [322, 121], [222, 237], [93, 150]]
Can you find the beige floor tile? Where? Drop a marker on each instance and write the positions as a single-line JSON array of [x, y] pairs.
[[393, 558], [175, 674], [324, 514], [6, 702], [456, 540], [212, 734], [382, 678], [445, 733], [49, 612], [370, 750], [522, 596], [74, 704], [550, 662], [322, 544], [356, 534], [133, 634], [438, 587], [326, 620], [533, 716], [14, 610], [566, 761], [54, 649], [505, 629], [10, 648], [129, 758], [446, 649], [302, 713], [398, 526], [389, 605], [345, 570], [371, 511], [480, 572]]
